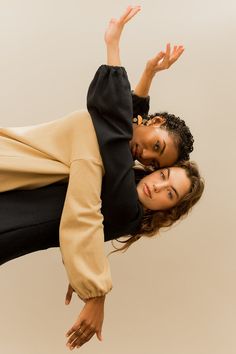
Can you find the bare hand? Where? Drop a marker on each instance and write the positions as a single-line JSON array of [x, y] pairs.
[[88, 323], [115, 27], [163, 60]]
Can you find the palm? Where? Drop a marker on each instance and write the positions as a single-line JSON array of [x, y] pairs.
[[115, 26], [164, 60], [113, 31]]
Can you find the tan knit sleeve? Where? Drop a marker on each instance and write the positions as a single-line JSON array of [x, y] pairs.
[[81, 231]]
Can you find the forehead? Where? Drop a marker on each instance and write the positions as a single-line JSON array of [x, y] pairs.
[[170, 154], [178, 173], [179, 179]]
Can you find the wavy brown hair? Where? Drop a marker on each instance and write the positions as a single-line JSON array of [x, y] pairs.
[[153, 221]]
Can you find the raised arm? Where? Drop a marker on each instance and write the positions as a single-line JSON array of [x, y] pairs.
[[112, 37], [113, 34], [109, 103], [162, 61]]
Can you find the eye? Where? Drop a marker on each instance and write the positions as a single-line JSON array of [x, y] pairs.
[[157, 146], [170, 195], [162, 175]]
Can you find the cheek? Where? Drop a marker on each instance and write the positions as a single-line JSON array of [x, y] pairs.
[[161, 202], [144, 135], [140, 136]]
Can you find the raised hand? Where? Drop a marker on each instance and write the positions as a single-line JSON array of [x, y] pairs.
[[161, 61], [164, 60], [115, 27]]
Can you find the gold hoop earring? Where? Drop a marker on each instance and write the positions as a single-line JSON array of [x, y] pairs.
[[138, 120]]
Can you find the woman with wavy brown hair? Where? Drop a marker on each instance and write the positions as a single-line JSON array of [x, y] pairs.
[[154, 221]]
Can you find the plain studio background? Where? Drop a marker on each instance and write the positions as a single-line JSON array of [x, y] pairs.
[[172, 295]]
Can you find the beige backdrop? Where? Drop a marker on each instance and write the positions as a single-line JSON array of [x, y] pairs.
[[172, 295]]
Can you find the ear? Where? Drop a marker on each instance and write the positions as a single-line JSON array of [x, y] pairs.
[[156, 121]]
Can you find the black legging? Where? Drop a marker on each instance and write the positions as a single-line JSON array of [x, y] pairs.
[[29, 220]]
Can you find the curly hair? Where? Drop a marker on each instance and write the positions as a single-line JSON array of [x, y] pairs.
[[181, 132], [153, 221]]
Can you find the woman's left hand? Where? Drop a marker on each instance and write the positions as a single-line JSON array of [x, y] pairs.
[[88, 323], [115, 27], [163, 60]]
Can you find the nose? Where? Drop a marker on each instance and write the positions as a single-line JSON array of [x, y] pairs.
[[158, 187], [147, 156]]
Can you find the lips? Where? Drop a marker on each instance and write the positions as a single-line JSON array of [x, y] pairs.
[[136, 151], [147, 191]]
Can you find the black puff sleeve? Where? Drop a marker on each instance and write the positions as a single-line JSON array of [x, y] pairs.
[[141, 105], [109, 103]]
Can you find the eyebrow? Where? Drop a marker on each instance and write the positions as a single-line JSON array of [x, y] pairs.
[[163, 149], [177, 194]]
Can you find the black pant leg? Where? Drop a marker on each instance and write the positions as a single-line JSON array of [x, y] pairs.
[[30, 219]]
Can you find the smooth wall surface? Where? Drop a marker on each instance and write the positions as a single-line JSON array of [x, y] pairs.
[[172, 295]]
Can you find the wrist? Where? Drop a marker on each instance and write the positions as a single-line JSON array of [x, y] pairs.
[[113, 55], [149, 74], [98, 299], [113, 44]]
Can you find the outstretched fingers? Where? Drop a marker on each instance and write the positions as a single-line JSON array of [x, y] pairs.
[[166, 58], [177, 52], [130, 12], [79, 336]]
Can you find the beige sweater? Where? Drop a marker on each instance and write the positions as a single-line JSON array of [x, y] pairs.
[[65, 149]]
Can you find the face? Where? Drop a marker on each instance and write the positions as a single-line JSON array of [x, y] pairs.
[[152, 145], [164, 188]]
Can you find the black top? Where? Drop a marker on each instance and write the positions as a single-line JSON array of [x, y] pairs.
[[109, 103], [30, 219], [141, 105]]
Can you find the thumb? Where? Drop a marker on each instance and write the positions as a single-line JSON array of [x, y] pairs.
[[99, 334], [68, 295]]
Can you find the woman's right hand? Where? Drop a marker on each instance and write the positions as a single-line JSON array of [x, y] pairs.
[[164, 59], [161, 61], [115, 27]]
